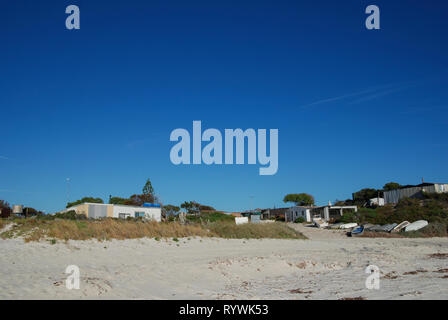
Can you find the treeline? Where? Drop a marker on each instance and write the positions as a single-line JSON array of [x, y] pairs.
[[147, 196], [6, 210], [361, 197]]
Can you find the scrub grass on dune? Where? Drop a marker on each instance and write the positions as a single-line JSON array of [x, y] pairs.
[[254, 231], [3, 223], [35, 230], [107, 229]]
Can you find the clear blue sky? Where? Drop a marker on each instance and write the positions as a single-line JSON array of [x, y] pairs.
[[354, 108]]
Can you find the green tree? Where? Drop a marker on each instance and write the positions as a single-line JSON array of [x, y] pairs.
[[171, 210], [364, 195], [4, 204], [28, 211], [5, 208], [83, 200], [192, 207], [391, 186], [118, 200], [203, 207], [299, 199], [139, 199], [148, 189]]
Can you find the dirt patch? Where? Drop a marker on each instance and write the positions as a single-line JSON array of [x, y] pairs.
[[415, 272], [300, 291], [442, 271], [373, 234], [413, 293], [439, 255], [390, 275], [354, 298]]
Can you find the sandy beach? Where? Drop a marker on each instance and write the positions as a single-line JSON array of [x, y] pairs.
[[327, 266]]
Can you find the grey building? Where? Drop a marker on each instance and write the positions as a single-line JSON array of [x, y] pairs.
[[411, 191]]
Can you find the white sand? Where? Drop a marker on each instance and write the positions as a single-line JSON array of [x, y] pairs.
[[329, 266]]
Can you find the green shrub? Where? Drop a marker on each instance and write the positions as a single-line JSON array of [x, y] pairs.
[[70, 215], [299, 220], [272, 230], [434, 209], [347, 218], [434, 229], [441, 197], [206, 217]]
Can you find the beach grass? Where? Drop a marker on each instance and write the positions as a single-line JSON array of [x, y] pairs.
[[276, 230], [107, 229], [3, 223]]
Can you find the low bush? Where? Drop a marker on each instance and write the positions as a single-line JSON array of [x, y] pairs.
[[3, 223], [347, 218], [70, 215], [434, 209], [210, 217], [433, 229], [299, 220], [254, 231]]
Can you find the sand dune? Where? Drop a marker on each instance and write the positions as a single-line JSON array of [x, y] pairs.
[[328, 266]]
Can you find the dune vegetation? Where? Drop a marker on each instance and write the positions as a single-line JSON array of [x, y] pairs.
[[274, 230], [432, 208], [110, 228], [3, 223]]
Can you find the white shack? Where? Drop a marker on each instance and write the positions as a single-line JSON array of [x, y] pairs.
[[102, 210], [309, 213]]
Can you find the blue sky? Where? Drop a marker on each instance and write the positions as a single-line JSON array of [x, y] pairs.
[[354, 108]]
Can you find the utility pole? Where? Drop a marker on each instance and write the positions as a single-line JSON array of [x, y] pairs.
[[378, 204], [68, 190]]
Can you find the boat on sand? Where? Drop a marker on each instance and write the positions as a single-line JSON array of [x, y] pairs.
[[320, 223], [348, 225], [417, 225], [357, 231], [400, 226]]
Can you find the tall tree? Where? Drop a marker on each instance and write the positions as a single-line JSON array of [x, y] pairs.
[[299, 199], [148, 189], [391, 186]]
